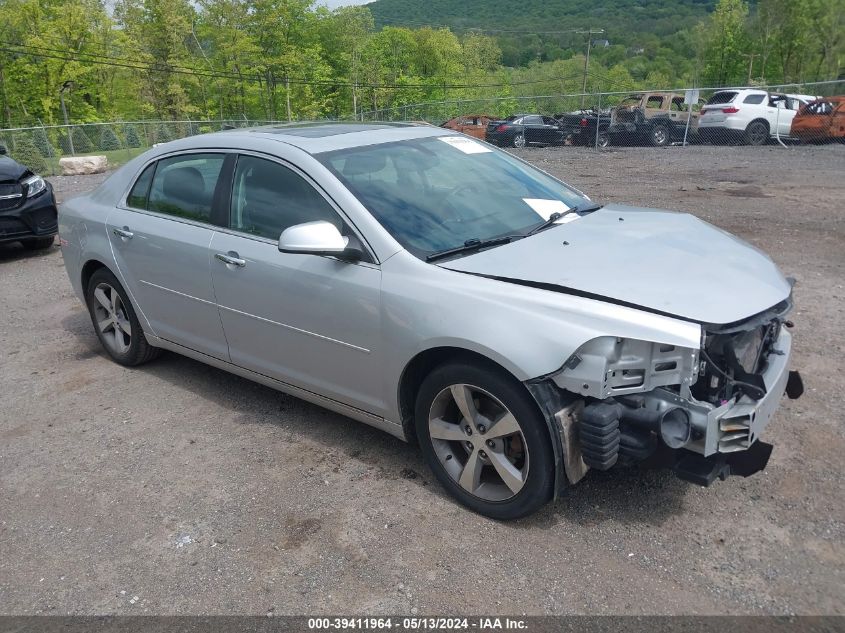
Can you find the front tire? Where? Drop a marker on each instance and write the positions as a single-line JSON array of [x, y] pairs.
[[115, 321], [485, 440]]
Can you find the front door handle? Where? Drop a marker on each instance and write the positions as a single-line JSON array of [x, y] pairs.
[[231, 258], [124, 233]]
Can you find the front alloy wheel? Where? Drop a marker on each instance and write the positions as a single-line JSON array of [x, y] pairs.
[[478, 442], [485, 439]]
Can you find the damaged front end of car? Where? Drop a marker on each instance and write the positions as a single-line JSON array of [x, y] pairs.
[[700, 412]]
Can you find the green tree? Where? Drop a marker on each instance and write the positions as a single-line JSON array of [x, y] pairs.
[[26, 153], [81, 143], [723, 41], [132, 138], [109, 140], [160, 32], [42, 142]]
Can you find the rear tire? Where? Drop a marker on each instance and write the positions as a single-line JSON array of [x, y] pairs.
[[483, 460], [38, 243], [519, 141], [659, 136], [115, 321], [604, 140], [757, 133]]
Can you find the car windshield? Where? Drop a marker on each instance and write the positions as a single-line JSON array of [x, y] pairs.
[[438, 193]]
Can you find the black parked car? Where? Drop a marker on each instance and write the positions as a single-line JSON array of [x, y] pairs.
[[580, 127], [520, 130], [27, 206]]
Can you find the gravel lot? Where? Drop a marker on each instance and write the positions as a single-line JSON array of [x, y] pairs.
[[178, 488]]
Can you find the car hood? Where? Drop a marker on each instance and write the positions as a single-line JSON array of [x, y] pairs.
[[661, 261], [11, 169]]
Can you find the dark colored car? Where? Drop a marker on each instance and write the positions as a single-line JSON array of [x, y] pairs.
[[521, 130], [27, 206], [580, 127]]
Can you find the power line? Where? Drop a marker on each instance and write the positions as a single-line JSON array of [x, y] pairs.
[[135, 64]]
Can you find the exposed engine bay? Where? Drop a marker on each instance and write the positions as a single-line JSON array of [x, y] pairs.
[[698, 411]]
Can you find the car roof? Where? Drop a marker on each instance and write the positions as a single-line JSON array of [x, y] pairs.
[[316, 138]]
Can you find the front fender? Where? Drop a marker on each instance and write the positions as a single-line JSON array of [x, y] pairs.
[[529, 331]]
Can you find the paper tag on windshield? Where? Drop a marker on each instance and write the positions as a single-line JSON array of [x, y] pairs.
[[465, 144], [545, 208]]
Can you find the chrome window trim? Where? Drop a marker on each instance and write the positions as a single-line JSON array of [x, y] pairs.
[[314, 185], [122, 204]]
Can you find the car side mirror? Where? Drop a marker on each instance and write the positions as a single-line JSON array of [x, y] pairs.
[[319, 238]]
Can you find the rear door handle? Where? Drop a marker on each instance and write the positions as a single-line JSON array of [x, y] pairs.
[[231, 258], [124, 233]]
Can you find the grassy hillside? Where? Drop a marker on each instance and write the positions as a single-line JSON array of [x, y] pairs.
[[629, 23]]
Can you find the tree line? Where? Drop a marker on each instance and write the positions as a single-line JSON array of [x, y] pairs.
[[290, 59]]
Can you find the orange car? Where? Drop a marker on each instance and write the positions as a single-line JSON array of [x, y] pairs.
[[820, 120], [471, 124]]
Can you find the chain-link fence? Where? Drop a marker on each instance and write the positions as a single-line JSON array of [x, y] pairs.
[[811, 113], [759, 115], [40, 148]]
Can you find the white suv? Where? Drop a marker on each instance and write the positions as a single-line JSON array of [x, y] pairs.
[[748, 116]]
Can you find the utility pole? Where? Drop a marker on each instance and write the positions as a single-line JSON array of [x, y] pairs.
[[750, 57], [67, 86], [589, 33]]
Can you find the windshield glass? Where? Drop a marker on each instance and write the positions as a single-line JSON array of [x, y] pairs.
[[437, 193]]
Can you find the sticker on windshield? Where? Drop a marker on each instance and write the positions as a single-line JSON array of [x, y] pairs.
[[545, 208], [465, 144]]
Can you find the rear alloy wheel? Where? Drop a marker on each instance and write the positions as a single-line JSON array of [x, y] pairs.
[[485, 440], [519, 140], [659, 136], [604, 140], [115, 321], [38, 243], [757, 133]]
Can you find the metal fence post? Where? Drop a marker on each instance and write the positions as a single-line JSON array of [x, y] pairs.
[[598, 121]]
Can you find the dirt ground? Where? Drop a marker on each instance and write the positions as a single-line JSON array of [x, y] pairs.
[[178, 488]]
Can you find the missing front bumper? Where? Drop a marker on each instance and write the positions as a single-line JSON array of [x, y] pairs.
[[704, 471]]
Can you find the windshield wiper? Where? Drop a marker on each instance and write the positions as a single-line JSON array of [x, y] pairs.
[[471, 245], [554, 217]]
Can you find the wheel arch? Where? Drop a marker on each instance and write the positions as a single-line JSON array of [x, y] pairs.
[[88, 269], [424, 362], [759, 120], [538, 392]]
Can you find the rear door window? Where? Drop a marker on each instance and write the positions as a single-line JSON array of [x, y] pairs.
[[725, 96], [183, 186], [754, 99], [137, 198]]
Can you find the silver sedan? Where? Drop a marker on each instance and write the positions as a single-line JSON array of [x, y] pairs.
[[442, 290]]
